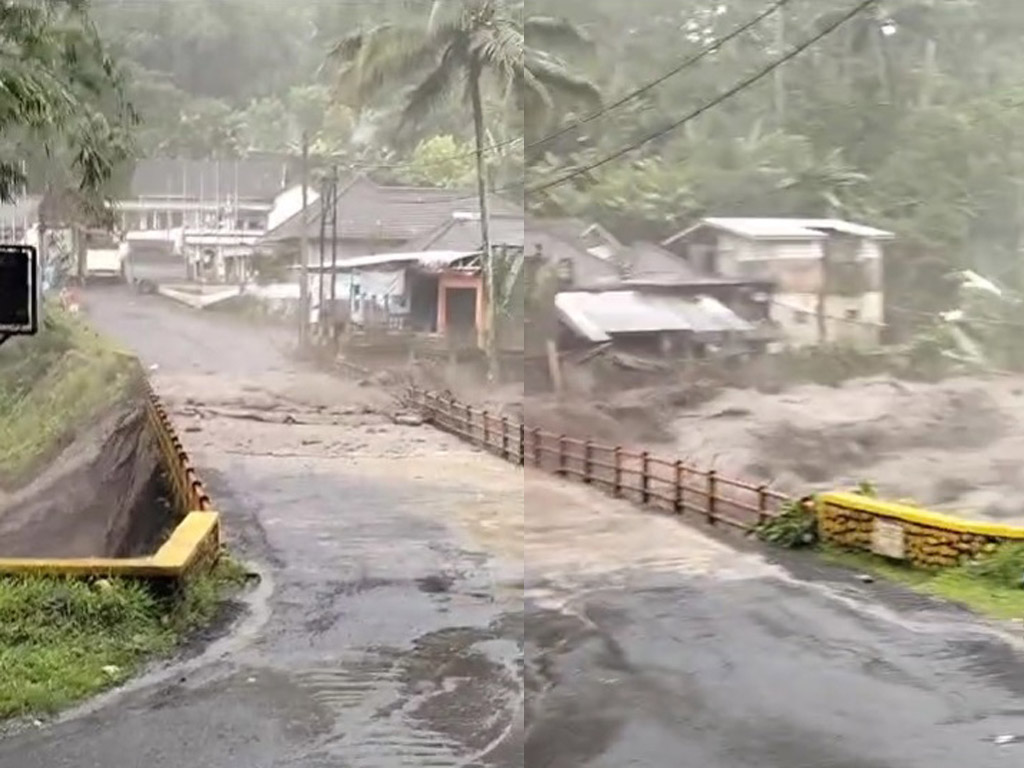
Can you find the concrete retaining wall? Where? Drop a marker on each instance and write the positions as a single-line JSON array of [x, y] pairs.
[[915, 535], [191, 549]]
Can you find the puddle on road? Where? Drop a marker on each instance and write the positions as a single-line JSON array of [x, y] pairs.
[[439, 703]]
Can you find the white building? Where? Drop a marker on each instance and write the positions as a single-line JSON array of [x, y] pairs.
[[209, 213], [822, 269]]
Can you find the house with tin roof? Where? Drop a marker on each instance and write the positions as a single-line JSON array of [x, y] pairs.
[[461, 232], [373, 218], [828, 273]]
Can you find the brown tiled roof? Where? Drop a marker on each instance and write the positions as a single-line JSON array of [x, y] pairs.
[[647, 260], [463, 234], [369, 211], [560, 239]]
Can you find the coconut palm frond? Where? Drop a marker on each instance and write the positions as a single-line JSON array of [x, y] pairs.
[[556, 77], [554, 32], [376, 59], [437, 86], [346, 49], [500, 49]]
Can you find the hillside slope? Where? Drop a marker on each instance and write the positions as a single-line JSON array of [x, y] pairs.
[[76, 458]]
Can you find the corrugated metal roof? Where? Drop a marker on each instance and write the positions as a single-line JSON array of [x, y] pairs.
[[599, 315], [561, 239], [649, 260], [785, 228], [426, 259], [261, 179], [796, 228]]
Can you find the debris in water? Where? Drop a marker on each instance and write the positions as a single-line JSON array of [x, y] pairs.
[[408, 419], [866, 578], [1007, 739]]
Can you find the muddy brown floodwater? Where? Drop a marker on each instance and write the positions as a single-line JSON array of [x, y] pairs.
[[955, 445], [428, 605]]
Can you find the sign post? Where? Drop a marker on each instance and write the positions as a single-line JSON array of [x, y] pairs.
[[888, 539], [19, 291]]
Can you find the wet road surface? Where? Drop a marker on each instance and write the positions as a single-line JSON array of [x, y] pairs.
[[408, 601]]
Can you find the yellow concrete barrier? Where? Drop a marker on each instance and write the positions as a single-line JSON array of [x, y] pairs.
[[191, 548], [916, 535]]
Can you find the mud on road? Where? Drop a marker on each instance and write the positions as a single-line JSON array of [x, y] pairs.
[[427, 605]]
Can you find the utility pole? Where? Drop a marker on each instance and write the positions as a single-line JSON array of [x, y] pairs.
[[304, 248], [334, 247], [493, 372], [325, 200], [824, 287]]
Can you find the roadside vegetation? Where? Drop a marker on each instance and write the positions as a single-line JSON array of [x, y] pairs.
[[51, 385], [64, 640], [991, 585]]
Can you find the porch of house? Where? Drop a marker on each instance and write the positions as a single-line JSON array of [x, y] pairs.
[[436, 310]]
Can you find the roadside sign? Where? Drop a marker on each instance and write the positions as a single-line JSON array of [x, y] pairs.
[[19, 287], [888, 539]]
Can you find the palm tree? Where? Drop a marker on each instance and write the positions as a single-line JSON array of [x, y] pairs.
[[470, 43], [553, 81]]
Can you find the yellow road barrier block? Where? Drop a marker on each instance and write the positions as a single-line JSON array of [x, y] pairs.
[[193, 546], [921, 516], [904, 532]]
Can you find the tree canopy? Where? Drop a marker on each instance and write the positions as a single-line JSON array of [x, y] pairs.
[[907, 117], [64, 117]]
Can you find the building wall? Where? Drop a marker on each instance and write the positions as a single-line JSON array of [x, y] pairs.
[[853, 320], [459, 280], [288, 204], [794, 266], [149, 215]]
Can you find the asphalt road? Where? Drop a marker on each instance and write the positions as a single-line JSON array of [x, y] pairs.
[[408, 602]]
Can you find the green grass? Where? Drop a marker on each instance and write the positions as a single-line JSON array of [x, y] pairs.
[[63, 640], [990, 587], [52, 384]]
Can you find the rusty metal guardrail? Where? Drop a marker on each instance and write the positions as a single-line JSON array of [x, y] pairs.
[[670, 485], [897, 531], [189, 493]]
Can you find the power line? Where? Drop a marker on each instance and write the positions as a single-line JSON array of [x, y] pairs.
[[632, 95], [725, 96], [690, 61], [707, 50], [410, 4]]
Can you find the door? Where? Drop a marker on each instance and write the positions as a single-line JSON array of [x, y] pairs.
[[460, 315]]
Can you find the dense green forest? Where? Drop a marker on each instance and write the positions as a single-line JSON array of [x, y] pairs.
[[909, 116]]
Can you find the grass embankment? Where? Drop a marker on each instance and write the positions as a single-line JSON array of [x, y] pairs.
[[992, 585], [63, 640], [52, 384]]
